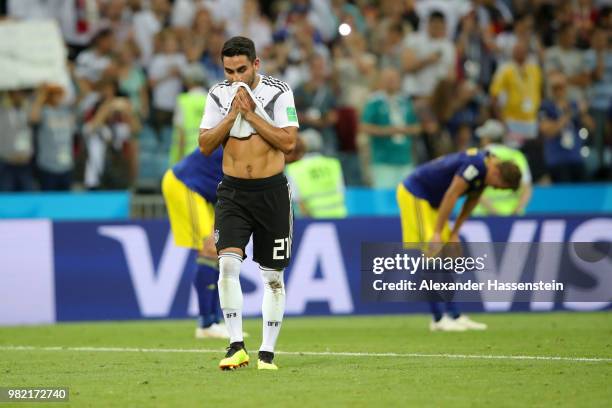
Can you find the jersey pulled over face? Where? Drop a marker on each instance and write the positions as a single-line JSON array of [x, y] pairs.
[[430, 180], [276, 98], [272, 94]]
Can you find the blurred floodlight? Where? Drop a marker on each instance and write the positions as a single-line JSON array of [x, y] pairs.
[[344, 29], [584, 151]]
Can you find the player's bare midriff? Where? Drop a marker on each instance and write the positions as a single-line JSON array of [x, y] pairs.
[[251, 158]]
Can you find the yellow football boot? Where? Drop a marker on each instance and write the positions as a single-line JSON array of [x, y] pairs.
[[264, 362], [235, 357]]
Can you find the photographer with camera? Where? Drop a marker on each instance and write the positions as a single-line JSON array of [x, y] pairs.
[[109, 129]]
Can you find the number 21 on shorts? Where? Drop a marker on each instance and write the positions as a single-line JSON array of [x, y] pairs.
[[282, 245]]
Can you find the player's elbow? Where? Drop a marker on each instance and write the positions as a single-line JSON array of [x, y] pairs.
[[204, 147], [204, 151], [288, 146]]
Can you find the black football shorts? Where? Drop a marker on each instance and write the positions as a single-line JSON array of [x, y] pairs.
[[261, 207]]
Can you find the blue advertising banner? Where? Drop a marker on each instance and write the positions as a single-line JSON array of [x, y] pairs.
[[130, 270]]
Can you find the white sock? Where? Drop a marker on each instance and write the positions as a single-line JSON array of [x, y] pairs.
[[273, 307], [230, 294]]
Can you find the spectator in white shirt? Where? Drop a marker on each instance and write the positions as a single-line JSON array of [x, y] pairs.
[[428, 58], [79, 21], [452, 10], [165, 79], [147, 23], [183, 12], [96, 62], [252, 25], [522, 31], [224, 10], [116, 16]]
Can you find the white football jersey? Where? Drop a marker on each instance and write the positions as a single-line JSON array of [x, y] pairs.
[[274, 95]]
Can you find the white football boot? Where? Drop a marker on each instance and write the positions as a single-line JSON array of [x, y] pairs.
[[469, 324], [446, 324]]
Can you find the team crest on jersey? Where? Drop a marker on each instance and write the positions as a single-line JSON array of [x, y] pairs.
[[216, 236]]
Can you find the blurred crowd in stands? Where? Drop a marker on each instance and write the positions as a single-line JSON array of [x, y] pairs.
[[383, 84]]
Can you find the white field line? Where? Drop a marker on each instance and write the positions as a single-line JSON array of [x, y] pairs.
[[316, 353]]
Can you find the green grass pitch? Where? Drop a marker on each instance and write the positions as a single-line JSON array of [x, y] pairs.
[[97, 361]]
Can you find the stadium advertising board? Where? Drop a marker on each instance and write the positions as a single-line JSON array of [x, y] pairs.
[[70, 271]]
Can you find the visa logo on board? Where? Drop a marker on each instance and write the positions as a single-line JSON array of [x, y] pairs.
[[156, 287], [318, 272]]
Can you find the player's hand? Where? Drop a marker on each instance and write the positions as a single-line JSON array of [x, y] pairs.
[[245, 103], [241, 105], [234, 111]]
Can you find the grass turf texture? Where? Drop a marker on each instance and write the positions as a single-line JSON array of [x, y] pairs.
[[159, 379]]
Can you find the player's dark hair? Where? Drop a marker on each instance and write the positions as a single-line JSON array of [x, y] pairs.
[[239, 46], [510, 174], [437, 15]]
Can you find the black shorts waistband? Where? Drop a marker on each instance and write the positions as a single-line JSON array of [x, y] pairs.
[[254, 184]]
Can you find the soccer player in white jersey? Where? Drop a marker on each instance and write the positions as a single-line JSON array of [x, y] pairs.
[[253, 197]]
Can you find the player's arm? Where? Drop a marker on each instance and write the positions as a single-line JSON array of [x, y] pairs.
[[524, 198], [210, 139], [283, 139], [488, 206], [212, 136], [297, 153], [458, 187], [468, 206]]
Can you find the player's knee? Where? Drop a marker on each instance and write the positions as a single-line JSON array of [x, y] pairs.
[[273, 279], [229, 265], [208, 249]]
